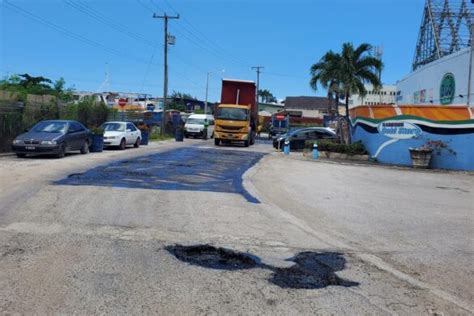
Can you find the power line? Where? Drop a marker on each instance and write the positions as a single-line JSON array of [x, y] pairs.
[[218, 47], [83, 39], [197, 40], [85, 9], [66, 32]]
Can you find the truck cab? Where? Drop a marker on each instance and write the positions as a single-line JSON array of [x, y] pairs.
[[236, 116], [233, 124]]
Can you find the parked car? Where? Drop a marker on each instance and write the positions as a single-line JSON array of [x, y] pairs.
[[298, 137], [121, 134], [53, 137], [194, 125]]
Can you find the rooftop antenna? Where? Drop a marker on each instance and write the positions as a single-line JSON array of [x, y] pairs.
[[378, 53], [105, 85]]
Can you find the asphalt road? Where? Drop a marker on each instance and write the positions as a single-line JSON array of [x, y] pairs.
[[188, 228]]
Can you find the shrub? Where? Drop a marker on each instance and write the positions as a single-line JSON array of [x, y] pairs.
[[97, 131], [356, 148], [87, 111]]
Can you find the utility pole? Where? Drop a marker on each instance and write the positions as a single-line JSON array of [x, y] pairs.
[[257, 68], [165, 74], [469, 80], [207, 89]]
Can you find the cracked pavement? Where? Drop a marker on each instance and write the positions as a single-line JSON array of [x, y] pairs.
[[94, 242]]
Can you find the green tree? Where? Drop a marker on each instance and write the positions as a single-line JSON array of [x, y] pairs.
[[358, 68], [266, 96], [25, 84], [180, 95], [347, 72], [327, 73]]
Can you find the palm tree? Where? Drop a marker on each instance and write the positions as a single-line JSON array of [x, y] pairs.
[[327, 73], [358, 67], [347, 72]]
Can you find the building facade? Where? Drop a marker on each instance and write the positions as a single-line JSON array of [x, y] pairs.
[[386, 95], [312, 107], [444, 81]]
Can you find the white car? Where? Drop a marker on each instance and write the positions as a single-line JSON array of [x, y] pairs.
[[121, 134], [195, 125]]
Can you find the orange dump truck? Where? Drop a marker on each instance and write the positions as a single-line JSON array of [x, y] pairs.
[[237, 114]]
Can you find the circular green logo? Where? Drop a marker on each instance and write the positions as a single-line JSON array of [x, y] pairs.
[[447, 89]]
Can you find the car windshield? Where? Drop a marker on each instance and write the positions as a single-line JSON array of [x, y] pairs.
[[232, 114], [50, 127], [197, 121], [114, 127]]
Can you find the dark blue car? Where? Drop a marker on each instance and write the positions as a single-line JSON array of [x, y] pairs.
[[53, 137]]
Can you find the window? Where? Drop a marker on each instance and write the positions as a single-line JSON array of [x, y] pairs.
[[75, 127], [131, 127], [235, 114], [117, 127]]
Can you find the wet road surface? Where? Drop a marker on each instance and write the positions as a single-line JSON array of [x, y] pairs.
[[190, 168]]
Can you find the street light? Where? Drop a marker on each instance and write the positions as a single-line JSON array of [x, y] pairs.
[[207, 88]]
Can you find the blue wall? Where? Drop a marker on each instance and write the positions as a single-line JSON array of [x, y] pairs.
[[397, 153]]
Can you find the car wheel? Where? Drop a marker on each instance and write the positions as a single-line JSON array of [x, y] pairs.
[[217, 141], [123, 144], [21, 155], [62, 151], [85, 148], [246, 143], [137, 143]]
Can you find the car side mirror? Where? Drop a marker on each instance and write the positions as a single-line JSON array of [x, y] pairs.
[[129, 130]]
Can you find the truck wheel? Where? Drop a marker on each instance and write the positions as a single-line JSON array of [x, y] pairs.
[[217, 141], [246, 143]]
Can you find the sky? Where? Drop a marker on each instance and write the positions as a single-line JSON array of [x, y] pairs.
[[81, 40]]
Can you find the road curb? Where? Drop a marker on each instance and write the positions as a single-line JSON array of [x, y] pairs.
[[374, 164]]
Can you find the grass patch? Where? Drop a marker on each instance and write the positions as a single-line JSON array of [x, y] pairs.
[[156, 136]]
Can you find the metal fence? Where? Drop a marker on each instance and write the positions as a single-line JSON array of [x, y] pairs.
[[16, 117]]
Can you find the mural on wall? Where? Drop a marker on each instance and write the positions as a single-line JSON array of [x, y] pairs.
[[389, 131]]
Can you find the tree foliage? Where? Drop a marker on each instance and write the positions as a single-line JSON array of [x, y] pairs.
[[87, 111], [24, 84], [178, 100], [265, 96], [346, 73]]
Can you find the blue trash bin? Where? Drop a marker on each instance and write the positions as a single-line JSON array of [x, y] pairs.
[[97, 144], [144, 140]]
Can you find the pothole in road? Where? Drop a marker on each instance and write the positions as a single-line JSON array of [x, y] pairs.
[[208, 256], [11, 251], [312, 270]]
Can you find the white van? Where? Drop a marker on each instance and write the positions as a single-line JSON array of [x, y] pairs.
[[195, 125]]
